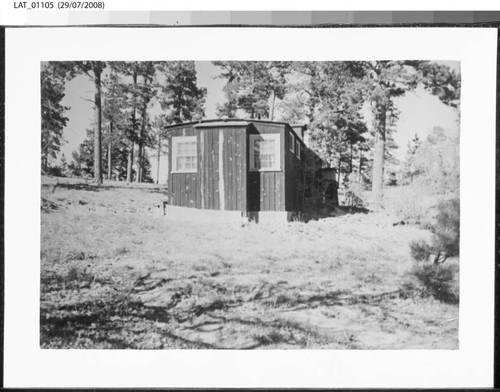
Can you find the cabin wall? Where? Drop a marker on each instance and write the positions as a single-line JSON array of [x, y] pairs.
[[241, 188], [232, 159], [203, 188], [266, 189], [294, 172], [183, 188]]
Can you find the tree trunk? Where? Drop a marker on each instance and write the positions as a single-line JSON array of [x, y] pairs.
[[130, 156], [140, 144], [272, 103], [45, 161], [130, 162], [379, 157], [350, 161], [340, 166], [98, 123], [158, 164], [360, 164], [109, 150]]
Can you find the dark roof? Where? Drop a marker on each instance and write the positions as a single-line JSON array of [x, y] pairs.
[[222, 123], [231, 122], [225, 120]]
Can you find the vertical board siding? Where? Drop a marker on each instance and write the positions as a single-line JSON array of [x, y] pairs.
[[269, 185], [220, 169], [235, 168], [233, 164], [183, 188], [294, 173], [242, 189]]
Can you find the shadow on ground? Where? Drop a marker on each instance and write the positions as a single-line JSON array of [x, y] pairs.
[[315, 214]]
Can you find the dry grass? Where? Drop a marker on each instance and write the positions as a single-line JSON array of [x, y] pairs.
[[118, 274]]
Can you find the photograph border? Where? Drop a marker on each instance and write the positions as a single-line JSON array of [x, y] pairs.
[[302, 356]]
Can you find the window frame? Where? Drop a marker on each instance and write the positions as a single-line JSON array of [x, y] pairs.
[[277, 151], [298, 148], [176, 140], [292, 142]]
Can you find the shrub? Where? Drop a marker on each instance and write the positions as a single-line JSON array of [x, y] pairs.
[[420, 250], [446, 235], [439, 280], [354, 193], [409, 203], [447, 229]]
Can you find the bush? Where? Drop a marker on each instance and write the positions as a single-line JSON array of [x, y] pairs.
[[410, 203], [439, 280], [420, 250], [353, 193], [446, 235], [447, 229]]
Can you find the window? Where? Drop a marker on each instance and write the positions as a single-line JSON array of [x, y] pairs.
[[298, 149], [184, 154], [292, 142], [265, 152]]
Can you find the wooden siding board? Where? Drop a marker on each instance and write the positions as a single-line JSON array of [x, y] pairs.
[[209, 170], [279, 194], [263, 198], [169, 190], [272, 191], [234, 170], [244, 175], [233, 183], [201, 154], [208, 198], [196, 191], [182, 190], [267, 195], [214, 173], [262, 195], [185, 190], [228, 169], [242, 171], [236, 166], [220, 169]]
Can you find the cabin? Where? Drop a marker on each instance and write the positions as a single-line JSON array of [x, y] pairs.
[[250, 166]]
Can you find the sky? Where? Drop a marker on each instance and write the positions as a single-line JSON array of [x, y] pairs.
[[420, 112]]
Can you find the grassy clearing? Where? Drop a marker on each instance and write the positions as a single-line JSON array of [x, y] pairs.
[[115, 273]]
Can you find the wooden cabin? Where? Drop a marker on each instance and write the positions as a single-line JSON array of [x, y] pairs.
[[240, 165]]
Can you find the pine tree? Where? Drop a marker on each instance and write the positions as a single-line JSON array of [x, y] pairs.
[[53, 118], [386, 80], [181, 98], [94, 70], [253, 87]]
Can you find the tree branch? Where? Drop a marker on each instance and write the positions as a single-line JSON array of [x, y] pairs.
[[89, 100]]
